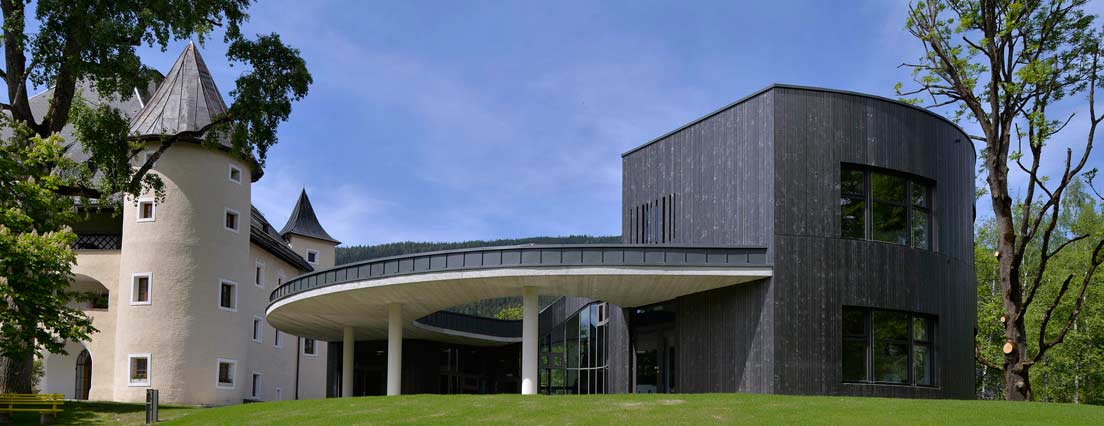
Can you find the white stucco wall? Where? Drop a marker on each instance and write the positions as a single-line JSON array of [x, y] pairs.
[[101, 267], [277, 364], [187, 250]]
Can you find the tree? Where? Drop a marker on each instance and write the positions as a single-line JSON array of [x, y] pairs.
[[1074, 370], [95, 42], [510, 313], [1004, 64]]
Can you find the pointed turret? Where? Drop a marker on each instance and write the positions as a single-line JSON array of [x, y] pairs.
[[187, 100], [303, 222]]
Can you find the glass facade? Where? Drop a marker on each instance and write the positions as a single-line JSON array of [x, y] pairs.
[[573, 358]]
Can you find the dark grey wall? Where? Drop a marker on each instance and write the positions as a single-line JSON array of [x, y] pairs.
[[765, 171], [726, 340], [816, 272], [720, 170]]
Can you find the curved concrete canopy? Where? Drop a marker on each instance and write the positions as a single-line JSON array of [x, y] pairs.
[[321, 304]]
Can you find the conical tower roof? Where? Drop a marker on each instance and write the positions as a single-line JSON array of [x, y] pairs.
[[304, 222], [187, 100]]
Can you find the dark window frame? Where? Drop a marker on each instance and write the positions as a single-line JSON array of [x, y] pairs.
[[868, 200], [930, 321]]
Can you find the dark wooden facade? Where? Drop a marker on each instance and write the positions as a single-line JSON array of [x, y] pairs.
[[765, 171]]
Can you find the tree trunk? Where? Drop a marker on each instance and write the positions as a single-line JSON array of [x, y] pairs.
[[1017, 384], [17, 374]]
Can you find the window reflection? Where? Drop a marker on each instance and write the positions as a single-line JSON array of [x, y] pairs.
[[573, 354], [885, 206], [886, 347]]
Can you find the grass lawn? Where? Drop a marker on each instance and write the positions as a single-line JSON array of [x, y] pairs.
[[664, 410], [103, 413]]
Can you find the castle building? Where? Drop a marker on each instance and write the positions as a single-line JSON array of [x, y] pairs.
[[184, 280]]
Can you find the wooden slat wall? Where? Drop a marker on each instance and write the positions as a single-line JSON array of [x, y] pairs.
[[720, 173], [766, 172], [726, 340], [816, 272]]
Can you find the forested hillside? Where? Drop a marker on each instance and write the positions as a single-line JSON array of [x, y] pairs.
[[505, 308], [358, 253]]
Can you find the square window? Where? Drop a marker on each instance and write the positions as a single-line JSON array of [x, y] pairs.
[[139, 370], [226, 372], [312, 256], [235, 174], [309, 347], [258, 329], [231, 220], [140, 289], [147, 210], [228, 295]]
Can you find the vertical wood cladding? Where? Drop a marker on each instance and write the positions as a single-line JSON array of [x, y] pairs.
[[719, 173], [765, 171]]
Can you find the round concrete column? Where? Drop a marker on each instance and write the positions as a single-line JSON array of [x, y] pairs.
[[394, 349], [530, 313], [347, 345]]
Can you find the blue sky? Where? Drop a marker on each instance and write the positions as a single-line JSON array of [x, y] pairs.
[[445, 121]]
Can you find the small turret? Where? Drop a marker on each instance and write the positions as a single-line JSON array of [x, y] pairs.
[[306, 235]]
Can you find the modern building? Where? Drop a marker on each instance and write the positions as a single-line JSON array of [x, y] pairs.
[[798, 241], [184, 281]]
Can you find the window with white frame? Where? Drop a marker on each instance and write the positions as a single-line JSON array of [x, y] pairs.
[[258, 329], [231, 221], [255, 386], [310, 347], [228, 295], [235, 174], [147, 210], [227, 368], [138, 371], [258, 274], [140, 285], [312, 256], [276, 340], [280, 279]]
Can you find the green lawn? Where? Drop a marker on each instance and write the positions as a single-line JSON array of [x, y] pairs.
[[103, 413], [663, 410]]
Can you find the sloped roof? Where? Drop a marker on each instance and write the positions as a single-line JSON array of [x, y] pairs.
[[262, 234], [129, 105], [304, 222], [187, 100]]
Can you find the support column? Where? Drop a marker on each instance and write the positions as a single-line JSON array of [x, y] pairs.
[[529, 315], [394, 349], [347, 345]]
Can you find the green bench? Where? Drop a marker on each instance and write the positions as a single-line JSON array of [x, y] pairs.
[[48, 405]]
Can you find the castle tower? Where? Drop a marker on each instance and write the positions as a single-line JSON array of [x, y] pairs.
[[185, 260], [307, 237]]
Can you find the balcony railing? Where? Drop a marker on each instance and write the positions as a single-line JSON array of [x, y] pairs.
[[526, 256], [98, 242]]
